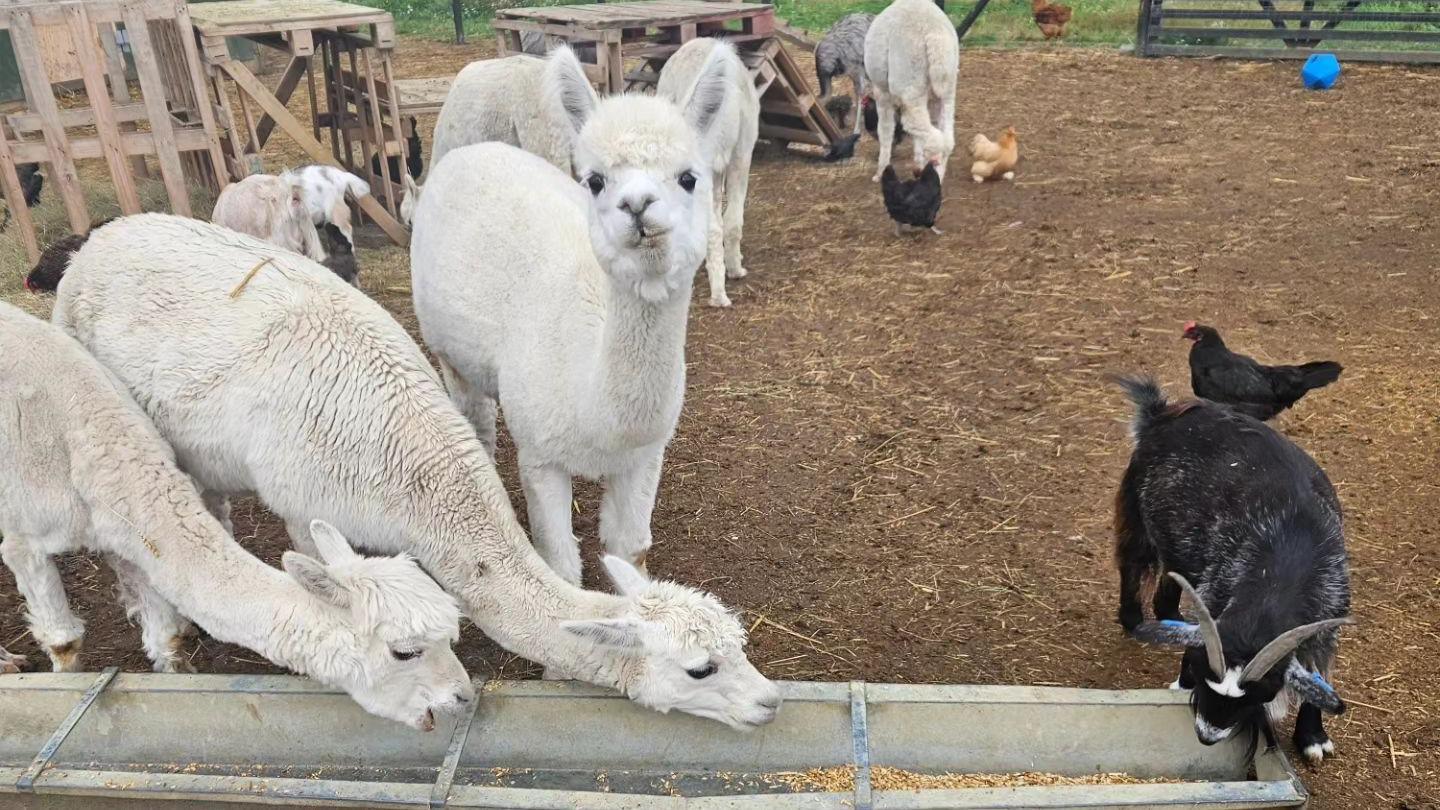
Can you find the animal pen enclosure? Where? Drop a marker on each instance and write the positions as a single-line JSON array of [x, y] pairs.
[[1356, 30], [171, 119]]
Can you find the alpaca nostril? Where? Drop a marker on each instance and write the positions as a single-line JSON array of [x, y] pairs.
[[635, 206]]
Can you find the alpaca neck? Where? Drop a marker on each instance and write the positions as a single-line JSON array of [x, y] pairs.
[[637, 385]]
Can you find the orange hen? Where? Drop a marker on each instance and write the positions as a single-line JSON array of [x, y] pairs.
[[1051, 17]]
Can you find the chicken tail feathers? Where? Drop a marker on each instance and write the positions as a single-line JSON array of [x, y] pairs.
[[1319, 375]]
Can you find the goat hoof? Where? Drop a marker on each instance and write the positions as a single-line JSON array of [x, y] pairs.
[[721, 300], [876, 178], [1317, 750], [738, 272]]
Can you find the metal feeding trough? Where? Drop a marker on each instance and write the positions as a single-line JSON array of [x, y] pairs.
[[126, 741]]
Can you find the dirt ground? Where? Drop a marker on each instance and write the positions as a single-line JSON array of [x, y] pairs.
[[898, 455]]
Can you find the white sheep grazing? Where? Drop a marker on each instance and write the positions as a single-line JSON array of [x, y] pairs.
[[912, 56], [572, 317], [302, 390], [272, 208], [86, 469], [729, 143], [501, 100], [325, 188]]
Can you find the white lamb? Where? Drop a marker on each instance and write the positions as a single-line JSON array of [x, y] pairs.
[[501, 100], [572, 317], [729, 143], [85, 469], [911, 58], [302, 390], [272, 208]]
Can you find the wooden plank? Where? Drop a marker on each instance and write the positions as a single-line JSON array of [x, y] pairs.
[[42, 99], [252, 142], [1171, 13], [42, 13], [1316, 34], [152, 90], [793, 82], [422, 95], [132, 143], [15, 199], [77, 117], [330, 63], [292, 127], [289, 80], [314, 99], [394, 105], [352, 94], [197, 84], [1407, 57], [239, 17], [381, 139], [90, 58], [791, 134]]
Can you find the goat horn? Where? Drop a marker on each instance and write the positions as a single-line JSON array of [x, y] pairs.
[[1284, 644], [1208, 631]]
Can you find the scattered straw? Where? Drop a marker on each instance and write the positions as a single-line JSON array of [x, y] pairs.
[[239, 288], [842, 779]]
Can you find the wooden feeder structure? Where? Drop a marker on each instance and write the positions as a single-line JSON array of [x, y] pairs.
[[58, 41], [354, 45], [647, 33]]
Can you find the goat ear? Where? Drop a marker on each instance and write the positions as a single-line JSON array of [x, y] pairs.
[[313, 577], [619, 634], [628, 579], [412, 189], [331, 544], [707, 95], [567, 90], [1313, 688]]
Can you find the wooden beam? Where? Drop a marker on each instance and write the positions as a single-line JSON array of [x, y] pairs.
[[42, 100], [15, 198], [87, 50], [197, 84], [292, 127], [152, 90], [288, 82], [131, 143]]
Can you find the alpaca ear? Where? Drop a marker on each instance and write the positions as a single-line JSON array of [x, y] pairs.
[[313, 577], [707, 95], [567, 90], [331, 544], [618, 634], [628, 579]]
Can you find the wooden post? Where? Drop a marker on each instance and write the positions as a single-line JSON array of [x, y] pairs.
[[382, 141], [394, 103], [89, 54], [455, 8], [152, 89], [1142, 28], [120, 89], [42, 100], [202, 101], [15, 195], [288, 82]]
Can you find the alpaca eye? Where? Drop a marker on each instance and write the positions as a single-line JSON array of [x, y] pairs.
[[709, 669], [687, 182], [596, 182], [405, 655]]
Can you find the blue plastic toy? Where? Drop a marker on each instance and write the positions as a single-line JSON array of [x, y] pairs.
[[1320, 71]]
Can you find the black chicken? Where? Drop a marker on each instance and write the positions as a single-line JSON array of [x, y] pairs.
[[1220, 375], [31, 181], [872, 120], [912, 203]]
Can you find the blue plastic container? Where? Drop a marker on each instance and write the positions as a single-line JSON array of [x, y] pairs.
[[1320, 71]]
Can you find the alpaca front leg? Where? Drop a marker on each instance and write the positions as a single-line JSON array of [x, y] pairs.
[[715, 254], [857, 80], [477, 404], [885, 109], [626, 508], [218, 504], [162, 628], [548, 499], [737, 188], [52, 623]]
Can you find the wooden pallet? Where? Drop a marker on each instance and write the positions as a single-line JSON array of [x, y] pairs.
[[167, 120], [649, 32]]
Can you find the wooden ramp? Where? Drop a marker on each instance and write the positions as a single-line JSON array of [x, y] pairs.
[[647, 33]]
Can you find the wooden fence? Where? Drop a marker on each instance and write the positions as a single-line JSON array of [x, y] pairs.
[[170, 120], [1355, 30]]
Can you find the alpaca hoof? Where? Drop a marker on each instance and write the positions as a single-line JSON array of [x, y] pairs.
[[1008, 175], [978, 178], [722, 300], [66, 657], [738, 272]]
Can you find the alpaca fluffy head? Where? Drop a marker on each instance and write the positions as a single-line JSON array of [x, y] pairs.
[[400, 664], [642, 161], [686, 651]]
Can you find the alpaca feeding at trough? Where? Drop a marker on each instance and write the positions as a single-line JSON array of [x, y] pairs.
[[502, 100], [911, 58], [87, 470], [308, 394], [1217, 499], [572, 318], [730, 143]]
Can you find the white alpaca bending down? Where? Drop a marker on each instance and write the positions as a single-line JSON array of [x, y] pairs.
[[911, 58], [573, 314], [302, 390], [501, 100], [729, 143], [85, 469]]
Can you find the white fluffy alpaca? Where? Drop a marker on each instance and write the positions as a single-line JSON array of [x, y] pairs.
[[87, 470], [573, 314], [501, 100], [272, 208], [911, 59], [729, 143], [302, 390]]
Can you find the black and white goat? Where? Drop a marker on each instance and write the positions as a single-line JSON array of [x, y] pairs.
[[1218, 499]]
